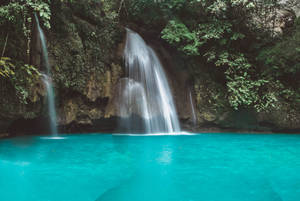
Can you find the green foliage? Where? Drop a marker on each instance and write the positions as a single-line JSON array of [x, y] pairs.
[[215, 39], [16, 19], [177, 34], [214, 30], [25, 77], [21, 12], [137, 6], [219, 34], [284, 57], [153, 12], [243, 88], [17, 16], [109, 10], [21, 76], [280, 62], [6, 67]]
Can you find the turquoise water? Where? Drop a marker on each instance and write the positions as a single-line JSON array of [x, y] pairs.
[[205, 167]]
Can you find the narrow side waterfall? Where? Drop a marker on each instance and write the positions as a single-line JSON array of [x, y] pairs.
[[51, 104], [194, 117], [146, 92], [48, 81]]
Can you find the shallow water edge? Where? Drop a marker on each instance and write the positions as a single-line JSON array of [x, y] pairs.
[[199, 132]]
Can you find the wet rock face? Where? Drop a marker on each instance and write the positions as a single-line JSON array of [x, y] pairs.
[[85, 58], [86, 46], [12, 108], [278, 22], [80, 111], [297, 10], [284, 20], [100, 85], [283, 118], [84, 55], [293, 5], [93, 103], [207, 101]]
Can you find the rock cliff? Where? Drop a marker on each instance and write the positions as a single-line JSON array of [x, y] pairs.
[[85, 47]]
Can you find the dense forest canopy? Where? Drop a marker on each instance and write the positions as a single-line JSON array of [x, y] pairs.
[[240, 40], [251, 48]]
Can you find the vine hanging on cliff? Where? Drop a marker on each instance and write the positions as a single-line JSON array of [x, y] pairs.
[[18, 16]]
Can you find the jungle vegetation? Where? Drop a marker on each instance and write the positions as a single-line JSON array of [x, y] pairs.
[[235, 40]]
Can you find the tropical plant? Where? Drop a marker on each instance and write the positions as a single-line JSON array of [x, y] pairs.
[[21, 76], [220, 34], [6, 67]]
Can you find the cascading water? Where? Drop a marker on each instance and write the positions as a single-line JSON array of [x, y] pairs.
[[147, 92], [51, 104], [48, 82], [194, 117]]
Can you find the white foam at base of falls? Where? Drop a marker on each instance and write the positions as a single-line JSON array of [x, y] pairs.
[[147, 92]]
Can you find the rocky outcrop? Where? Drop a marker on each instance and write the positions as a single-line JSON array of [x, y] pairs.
[[85, 46], [284, 20], [277, 22], [284, 118], [93, 103], [13, 108], [84, 55]]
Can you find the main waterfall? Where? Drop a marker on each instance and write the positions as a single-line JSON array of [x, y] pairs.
[[146, 92]]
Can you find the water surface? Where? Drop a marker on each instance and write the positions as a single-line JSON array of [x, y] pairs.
[[205, 167]]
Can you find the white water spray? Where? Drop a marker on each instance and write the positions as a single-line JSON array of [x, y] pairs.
[[48, 82], [147, 93], [194, 117]]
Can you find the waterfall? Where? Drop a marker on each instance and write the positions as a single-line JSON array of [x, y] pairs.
[[48, 82], [194, 117], [51, 104], [146, 92]]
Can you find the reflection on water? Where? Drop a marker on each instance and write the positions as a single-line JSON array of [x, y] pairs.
[[153, 168]]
